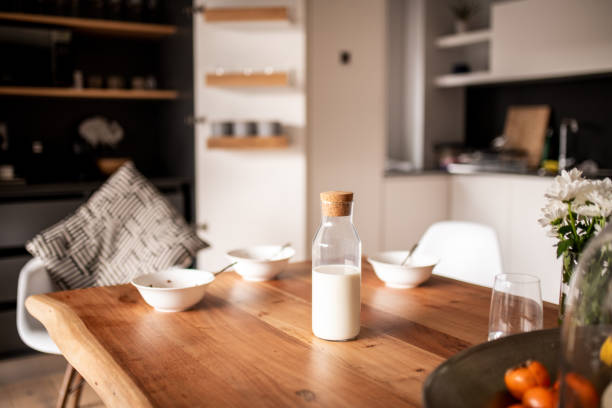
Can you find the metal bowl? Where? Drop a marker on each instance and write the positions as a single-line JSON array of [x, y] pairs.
[[475, 377]]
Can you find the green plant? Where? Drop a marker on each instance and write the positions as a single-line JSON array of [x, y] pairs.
[[576, 210]]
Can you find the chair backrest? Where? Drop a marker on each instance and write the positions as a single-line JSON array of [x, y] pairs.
[[467, 251], [33, 279]]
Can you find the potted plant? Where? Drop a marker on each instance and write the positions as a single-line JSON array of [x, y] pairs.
[[463, 11]]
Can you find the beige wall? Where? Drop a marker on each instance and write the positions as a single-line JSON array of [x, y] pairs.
[[347, 109]]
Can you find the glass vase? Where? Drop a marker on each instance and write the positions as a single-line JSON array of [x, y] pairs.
[[586, 334], [570, 261]]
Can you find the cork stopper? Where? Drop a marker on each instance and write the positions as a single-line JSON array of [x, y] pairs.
[[336, 203]]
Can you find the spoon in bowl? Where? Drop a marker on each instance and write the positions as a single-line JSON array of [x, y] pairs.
[[409, 254], [270, 258], [280, 251]]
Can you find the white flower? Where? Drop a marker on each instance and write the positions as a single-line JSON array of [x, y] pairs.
[[597, 229], [601, 196], [553, 211], [588, 210], [568, 186]]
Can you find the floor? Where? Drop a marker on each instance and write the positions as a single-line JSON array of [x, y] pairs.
[[33, 382]]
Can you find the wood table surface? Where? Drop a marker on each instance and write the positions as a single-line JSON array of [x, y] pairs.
[[250, 343]]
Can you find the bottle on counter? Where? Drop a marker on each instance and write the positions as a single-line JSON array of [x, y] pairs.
[[336, 270]]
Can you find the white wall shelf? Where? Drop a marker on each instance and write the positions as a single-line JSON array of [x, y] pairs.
[[486, 77], [463, 39]]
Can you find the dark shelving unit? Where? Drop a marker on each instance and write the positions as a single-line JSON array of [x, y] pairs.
[[56, 181]]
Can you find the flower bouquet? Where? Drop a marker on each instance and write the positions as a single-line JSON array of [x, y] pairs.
[[576, 210]]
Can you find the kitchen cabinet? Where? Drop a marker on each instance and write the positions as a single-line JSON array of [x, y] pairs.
[[483, 199], [22, 220], [565, 37], [410, 205], [509, 203], [531, 249]]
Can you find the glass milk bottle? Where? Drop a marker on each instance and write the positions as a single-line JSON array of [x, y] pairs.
[[336, 270]]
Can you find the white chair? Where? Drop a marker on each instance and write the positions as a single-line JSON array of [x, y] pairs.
[[33, 279], [467, 251]]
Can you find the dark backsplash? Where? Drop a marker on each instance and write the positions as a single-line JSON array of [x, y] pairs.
[[587, 99]]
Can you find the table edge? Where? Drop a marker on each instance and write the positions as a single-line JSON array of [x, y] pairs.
[[112, 384]]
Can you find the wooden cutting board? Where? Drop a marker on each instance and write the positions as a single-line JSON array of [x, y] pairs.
[[525, 129]]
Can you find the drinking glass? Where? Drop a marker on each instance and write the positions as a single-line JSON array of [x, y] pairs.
[[516, 305]]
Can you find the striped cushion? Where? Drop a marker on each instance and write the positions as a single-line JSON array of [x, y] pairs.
[[126, 229]]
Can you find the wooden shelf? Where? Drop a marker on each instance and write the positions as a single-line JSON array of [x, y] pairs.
[[96, 26], [256, 79], [246, 14], [90, 93], [468, 78], [485, 77], [463, 39], [274, 142]]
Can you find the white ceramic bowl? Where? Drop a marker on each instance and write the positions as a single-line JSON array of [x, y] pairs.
[[388, 268], [173, 289], [260, 263]]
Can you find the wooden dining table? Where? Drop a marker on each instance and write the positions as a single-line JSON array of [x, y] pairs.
[[250, 343]]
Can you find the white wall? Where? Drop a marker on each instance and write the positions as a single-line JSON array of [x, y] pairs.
[[347, 109], [511, 205], [430, 115], [251, 197], [414, 82], [396, 111]]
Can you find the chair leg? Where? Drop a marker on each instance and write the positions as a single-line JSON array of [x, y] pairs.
[[71, 385], [64, 390], [77, 387]]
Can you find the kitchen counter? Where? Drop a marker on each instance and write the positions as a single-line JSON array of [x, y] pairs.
[[397, 173], [530, 173]]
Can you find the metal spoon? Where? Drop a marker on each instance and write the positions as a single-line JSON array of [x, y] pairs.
[[409, 254], [280, 251], [225, 268]]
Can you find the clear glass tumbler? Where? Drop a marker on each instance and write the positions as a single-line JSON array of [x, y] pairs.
[[516, 305]]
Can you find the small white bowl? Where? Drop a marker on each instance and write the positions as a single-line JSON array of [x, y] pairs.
[[388, 268], [173, 289], [260, 263]]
